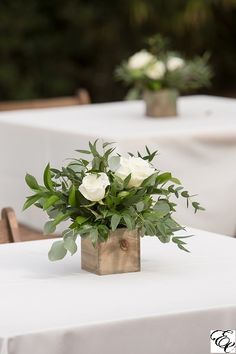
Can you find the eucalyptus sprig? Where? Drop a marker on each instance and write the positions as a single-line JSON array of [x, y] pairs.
[[106, 191]]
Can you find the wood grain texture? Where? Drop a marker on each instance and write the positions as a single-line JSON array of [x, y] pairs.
[[162, 103], [8, 226], [119, 254], [82, 97], [27, 233], [11, 231]]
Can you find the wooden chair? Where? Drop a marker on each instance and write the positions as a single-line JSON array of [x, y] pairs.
[[11, 231], [82, 97], [8, 226]]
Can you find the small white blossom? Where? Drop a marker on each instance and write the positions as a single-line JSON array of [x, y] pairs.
[[140, 59], [174, 63], [138, 168], [156, 71], [93, 186]]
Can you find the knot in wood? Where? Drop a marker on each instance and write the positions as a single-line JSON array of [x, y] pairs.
[[124, 245]]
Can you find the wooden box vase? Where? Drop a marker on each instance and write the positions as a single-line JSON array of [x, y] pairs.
[[161, 103], [119, 254]]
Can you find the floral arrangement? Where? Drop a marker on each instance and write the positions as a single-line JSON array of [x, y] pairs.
[[106, 192], [159, 68]]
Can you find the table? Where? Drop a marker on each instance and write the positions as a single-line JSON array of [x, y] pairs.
[[169, 307], [199, 147]]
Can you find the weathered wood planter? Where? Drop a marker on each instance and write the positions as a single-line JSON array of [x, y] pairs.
[[161, 103], [120, 254]]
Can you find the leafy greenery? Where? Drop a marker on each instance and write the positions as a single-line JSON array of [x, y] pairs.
[[148, 207], [190, 75]]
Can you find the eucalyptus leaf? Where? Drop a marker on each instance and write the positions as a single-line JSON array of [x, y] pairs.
[[162, 206], [49, 228], [140, 206], [57, 251], [128, 221], [114, 163], [115, 219], [70, 245]]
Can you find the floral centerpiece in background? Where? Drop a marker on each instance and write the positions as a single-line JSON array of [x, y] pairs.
[[160, 74], [110, 201]]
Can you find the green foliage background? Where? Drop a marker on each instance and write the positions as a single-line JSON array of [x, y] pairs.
[[50, 48]]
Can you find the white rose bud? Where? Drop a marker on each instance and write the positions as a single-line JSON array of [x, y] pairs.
[[174, 63], [140, 170], [93, 186], [156, 71], [140, 60]]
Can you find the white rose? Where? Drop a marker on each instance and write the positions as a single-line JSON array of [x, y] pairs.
[[93, 186], [140, 170], [174, 63], [156, 71], [140, 60]]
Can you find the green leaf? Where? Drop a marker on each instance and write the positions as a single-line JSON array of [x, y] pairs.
[[185, 194], [147, 149], [127, 180], [84, 152], [162, 207], [181, 244], [162, 229], [93, 236], [103, 231], [104, 145], [32, 182], [175, 180], [50, 201], [164, 177], [197, 206], [52, 213], [150, 181], [47, 178], [129, 221], [57, 251], [150, 228], [72, 196], [81, 220], [183, 248], [123, 194], [70, 245], [115, 219], [140, 206], [49, 227], [31, 200], [61, 217], [128, 201], [68, 233], [93, 148]]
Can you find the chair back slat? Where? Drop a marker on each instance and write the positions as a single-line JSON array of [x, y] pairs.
[[8, 226], [5, 236], [28, 233], [11, 231], [82, 97]]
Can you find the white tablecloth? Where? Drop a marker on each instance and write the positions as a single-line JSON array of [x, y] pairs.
[[199, 147], [168, 308]]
